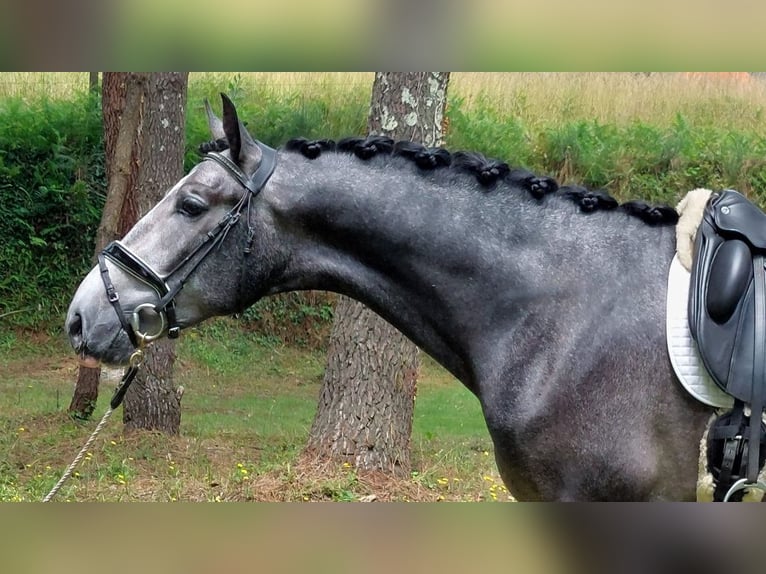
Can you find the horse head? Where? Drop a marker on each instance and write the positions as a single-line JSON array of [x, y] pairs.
[[173, 269]]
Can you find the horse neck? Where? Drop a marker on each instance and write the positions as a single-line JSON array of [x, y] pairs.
[[453, 267]]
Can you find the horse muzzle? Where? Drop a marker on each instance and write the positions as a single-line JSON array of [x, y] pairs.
[[107, 326]]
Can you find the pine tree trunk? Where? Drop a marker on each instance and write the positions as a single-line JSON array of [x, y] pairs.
[[121, 123], [85, 393], [367, 399], [152, 401], [368, 393], [122, 103]]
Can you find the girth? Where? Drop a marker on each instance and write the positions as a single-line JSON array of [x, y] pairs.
[[727, 318]]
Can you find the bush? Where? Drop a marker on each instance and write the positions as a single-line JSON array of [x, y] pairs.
[[637, 160], [51, 192], [274, 117]]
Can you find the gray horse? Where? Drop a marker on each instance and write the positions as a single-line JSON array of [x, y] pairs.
[[546, 302]]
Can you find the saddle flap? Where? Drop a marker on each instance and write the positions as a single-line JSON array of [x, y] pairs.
[[722, 294]]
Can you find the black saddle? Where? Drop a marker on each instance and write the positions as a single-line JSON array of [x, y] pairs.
[[727, 318]]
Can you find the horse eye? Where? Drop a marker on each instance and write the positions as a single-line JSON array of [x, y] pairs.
[[191, 207]]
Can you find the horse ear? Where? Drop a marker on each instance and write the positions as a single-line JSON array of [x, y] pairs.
[[241, 144], [214, 122]]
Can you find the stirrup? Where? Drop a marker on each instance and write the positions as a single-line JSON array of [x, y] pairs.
[[742, 484]]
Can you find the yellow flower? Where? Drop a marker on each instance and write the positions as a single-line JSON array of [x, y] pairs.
[[21, 429], [112, 443]]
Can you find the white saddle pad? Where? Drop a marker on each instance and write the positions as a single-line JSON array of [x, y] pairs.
[[682, 348]]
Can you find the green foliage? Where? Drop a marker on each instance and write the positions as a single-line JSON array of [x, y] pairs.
[[51, 193], [638, 160], [482, 128], [273, 116], [301, 318]]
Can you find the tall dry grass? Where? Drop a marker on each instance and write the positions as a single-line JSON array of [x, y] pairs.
[[47, 84], [619, 98], [731, 100], [309, 84]]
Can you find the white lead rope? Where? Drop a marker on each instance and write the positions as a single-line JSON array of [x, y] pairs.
[[78, 458], [135, 361]]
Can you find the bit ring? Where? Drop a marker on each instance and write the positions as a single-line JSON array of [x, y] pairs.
[[135, 322]]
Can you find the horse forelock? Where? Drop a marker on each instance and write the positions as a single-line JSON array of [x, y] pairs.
[[488, 172]]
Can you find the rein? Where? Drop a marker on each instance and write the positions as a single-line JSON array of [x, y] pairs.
[[120, 255]]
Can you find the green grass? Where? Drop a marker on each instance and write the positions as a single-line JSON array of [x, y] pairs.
[[246, 413]]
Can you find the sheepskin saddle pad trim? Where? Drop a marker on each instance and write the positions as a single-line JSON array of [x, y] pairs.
[[683, 351]]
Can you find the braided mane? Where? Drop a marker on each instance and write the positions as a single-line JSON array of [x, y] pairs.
[[488, 172]]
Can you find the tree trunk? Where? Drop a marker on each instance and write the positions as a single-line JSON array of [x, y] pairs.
[[85, 393], [122, 110], [121, 123], [368, 393], [144, 116], [152, 401]]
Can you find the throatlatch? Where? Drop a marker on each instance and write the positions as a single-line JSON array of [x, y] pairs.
[[727, 318]]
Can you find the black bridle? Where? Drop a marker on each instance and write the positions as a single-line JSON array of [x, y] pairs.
[[121, 256]]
